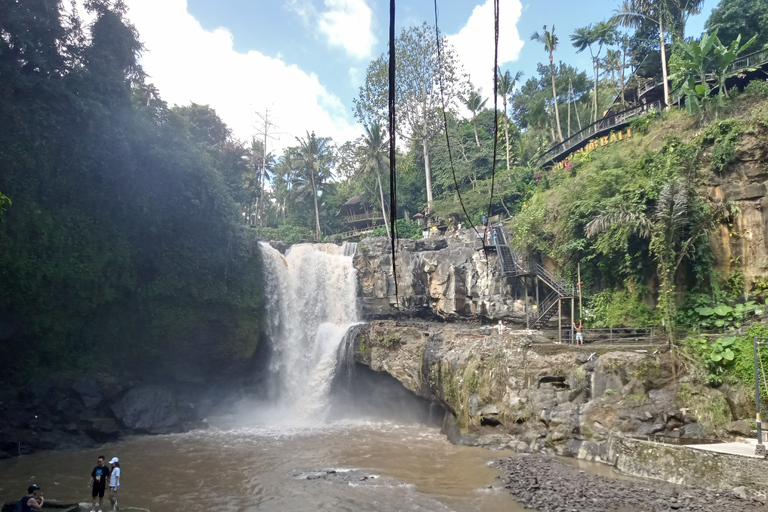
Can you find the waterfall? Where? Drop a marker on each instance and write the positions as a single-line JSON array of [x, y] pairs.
[[311, 296]]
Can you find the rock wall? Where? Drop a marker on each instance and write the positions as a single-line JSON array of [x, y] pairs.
[[744, 181], [683, 466], [508, 391], [445, 278]]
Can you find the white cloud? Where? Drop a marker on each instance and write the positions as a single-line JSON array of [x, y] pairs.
[[474, 43], [190, 64], [343, 23], [347, 23]]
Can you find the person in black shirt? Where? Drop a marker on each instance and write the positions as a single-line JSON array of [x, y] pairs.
[[33, 500], [99, 477]]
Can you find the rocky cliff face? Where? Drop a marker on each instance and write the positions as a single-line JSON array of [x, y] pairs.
[[744, 181], [445, 278], [509, 391]]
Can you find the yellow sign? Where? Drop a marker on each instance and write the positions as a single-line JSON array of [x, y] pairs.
[[594, 144]]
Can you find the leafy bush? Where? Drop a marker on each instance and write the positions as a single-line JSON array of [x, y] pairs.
[[287, 234], [617, 309], [405, 229], [757, 87], [722, 315], [723, 136], [717, 356], [641, 125], [732, 356]]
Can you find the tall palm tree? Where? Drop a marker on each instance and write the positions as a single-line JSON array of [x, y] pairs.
[[601, 34], [633, 13], [549, 40], [506, 84], [313, 158], [475, 103], [375, 149]]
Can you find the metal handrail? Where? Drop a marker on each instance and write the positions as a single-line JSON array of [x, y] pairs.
[[601, 124], [545, 305], [553, 282]]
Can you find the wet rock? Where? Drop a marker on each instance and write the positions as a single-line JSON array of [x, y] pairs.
[[738, 428], [149, 409], [740, 492], [692, 431], [88, 389]]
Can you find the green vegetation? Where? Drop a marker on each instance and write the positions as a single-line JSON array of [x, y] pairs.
[[731, 357], [125, 244]]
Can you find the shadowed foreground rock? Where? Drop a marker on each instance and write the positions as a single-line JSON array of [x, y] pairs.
[[549, 485]]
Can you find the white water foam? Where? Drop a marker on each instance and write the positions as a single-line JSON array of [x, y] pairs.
[[311, 296]]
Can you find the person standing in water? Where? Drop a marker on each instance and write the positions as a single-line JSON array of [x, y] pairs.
[[99, 477], [33, 500], [114, 482]]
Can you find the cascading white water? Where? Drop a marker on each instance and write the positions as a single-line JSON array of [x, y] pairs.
[[311, 296]]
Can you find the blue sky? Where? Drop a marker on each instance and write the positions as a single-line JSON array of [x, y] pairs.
[[303, 60]]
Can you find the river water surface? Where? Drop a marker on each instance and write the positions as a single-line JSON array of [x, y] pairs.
[[379, 466]]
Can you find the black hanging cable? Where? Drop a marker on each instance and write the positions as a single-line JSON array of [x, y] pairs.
[[445, 122], [392, 142], [495, 101]]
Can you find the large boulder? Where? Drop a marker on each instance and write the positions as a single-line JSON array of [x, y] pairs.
[[88, 389], [149, 408]]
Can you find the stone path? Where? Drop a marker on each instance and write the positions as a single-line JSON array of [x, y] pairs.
[[745, 448]]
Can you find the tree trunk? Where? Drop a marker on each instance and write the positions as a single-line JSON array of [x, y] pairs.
[[427, 170], [554, 95], [663, 61], [381, 196], [597, 103], [314, 196], [621, 78], [474, 121], [576, 108], [263, 178], [569, 108], [506, 129]]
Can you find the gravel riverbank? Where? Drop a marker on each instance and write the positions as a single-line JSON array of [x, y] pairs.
[[550, 485]]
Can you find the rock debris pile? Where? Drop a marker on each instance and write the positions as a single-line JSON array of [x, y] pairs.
[[549, 485]]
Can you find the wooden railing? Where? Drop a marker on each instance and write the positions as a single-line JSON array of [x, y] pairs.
[[364, 216]]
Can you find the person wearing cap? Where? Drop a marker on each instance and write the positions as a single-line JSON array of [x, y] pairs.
[[114, 482], [33, 500], [99, 477]]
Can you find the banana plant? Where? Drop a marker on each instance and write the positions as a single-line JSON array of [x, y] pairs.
[[725, 56], [692, 66]]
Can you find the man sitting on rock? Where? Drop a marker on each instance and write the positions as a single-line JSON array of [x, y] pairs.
[[32, 501]]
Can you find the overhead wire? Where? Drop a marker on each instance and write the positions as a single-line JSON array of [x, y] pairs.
[[495, 101], [445, 123], [392, 147]]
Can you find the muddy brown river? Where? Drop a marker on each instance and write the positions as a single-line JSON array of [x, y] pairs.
[[378, 466]]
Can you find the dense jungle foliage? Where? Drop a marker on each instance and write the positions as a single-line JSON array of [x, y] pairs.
[[124, 244]]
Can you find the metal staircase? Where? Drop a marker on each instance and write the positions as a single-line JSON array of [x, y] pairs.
[[511, 267], [508, 261]]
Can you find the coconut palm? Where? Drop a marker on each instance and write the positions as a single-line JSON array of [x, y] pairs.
[[313, 169], [375, 155], [475, 103], [506, 84], [633, 13], [549, 40], [601, 34]]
